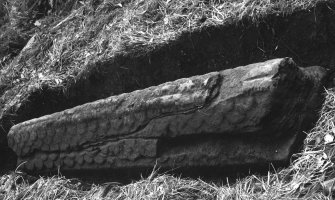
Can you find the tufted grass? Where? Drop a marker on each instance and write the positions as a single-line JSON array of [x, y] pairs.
[[63, 45], [310, 176], [3, 12]]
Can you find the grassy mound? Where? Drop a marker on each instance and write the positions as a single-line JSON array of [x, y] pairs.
[[310, 176], [64, 46]]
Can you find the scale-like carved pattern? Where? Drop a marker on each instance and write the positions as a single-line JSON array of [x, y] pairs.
[[267, 99], [108, 155]]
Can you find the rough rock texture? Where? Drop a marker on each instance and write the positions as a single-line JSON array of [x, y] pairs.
[[246, 115]]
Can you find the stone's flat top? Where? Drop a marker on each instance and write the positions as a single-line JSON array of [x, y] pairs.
[[177, 93], [252, 73]]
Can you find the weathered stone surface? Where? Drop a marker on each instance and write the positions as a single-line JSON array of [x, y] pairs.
[[247, 115]]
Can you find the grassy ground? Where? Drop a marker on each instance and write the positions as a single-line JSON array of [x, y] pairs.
[[65, 44], [310, 176]]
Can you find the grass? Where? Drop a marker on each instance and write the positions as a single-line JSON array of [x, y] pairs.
[[95, 30], [3, 12], [310, 176]]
